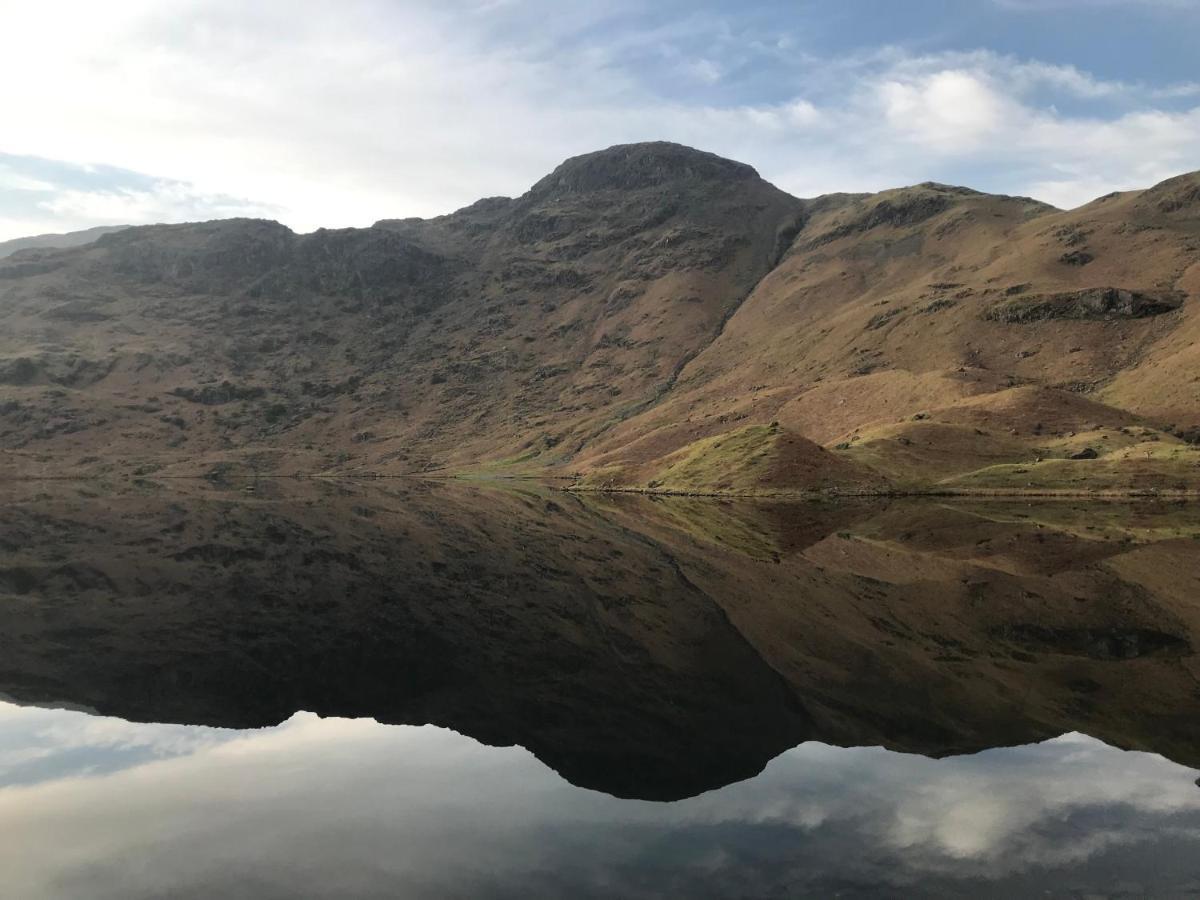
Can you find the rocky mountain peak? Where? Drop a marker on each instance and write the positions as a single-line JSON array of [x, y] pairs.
[[628, 167]]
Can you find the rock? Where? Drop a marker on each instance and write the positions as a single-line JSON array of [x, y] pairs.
[[1085, 453], [878, 321], [1090, 304], [19, 371], [638, 166], [1076, 258]]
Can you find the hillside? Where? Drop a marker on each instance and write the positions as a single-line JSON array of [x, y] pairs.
[[648, 316]]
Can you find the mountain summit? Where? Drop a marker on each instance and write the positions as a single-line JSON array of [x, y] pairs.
[[648, 316], [628, 167]]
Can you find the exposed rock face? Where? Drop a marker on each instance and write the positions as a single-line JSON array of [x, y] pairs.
[[638, 167], [1076, 258], [634, 302], [208, 257], [1094, 303], [1098, 643]]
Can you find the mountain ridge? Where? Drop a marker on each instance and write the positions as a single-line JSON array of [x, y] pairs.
[[631, 303], [56, 240]]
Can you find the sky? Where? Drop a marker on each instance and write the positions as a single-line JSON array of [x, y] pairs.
[[320, 114]]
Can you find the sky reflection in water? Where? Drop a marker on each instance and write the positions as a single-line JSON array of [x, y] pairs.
[[103, 808]]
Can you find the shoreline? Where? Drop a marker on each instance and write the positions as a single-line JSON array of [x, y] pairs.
[[938, 493], [555, 483]]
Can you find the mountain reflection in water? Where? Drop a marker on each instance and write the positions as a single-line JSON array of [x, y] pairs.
[[653, 649]]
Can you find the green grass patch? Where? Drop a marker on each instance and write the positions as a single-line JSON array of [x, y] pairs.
[[736, 462]]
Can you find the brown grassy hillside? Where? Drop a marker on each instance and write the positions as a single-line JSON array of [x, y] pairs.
[[932, 331], [633, 305]]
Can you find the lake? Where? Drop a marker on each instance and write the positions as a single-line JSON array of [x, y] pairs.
[[305, 688]]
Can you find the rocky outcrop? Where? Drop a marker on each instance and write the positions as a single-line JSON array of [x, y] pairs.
[[633, 167], [206, 257], [1093, 303]]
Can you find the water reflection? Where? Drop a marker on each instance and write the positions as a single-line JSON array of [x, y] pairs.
[[334, 807], [661, 650]]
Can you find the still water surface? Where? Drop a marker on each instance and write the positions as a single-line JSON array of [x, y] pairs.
[[412, 690]]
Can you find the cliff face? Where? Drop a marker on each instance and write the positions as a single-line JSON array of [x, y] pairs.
[[634, 305]]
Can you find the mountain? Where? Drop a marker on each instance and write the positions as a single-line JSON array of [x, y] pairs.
[[52, 241], [648, 316]]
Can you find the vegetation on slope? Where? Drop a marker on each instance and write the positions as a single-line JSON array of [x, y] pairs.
[[756, 459]]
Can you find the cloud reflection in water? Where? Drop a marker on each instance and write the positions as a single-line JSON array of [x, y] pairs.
[[102, 808]]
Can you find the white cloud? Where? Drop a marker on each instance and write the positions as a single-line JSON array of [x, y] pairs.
[[16, 181], [801, 113], [950, 111], [1065, 193], [165, 201]]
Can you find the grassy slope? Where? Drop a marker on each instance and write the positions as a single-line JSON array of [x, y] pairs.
[[874, 336], [754, 460], [1151, 466]]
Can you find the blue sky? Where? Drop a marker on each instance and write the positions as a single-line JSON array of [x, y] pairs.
[[320, 114]]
